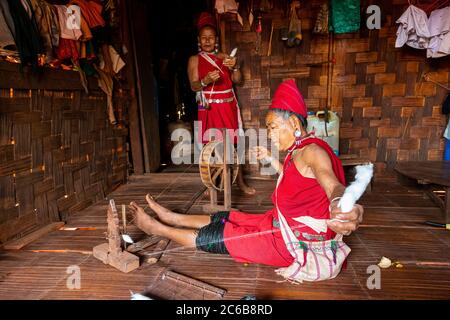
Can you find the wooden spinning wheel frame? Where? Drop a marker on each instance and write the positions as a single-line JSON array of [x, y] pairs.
[[211, 166]]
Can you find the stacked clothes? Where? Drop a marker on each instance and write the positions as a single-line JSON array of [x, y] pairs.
[[420, 32]]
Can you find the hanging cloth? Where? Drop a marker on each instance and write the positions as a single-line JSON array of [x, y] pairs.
[[64, 15], [105, 82], [321, 26], [413, 29], [295, 26], [48, 26], [4, 7], [91, 11], [26, 34], [345, 16], [229, 6], [439, 26], [6, 37]]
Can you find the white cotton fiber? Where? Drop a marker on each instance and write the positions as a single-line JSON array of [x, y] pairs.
[[355, 190], [138, 296]]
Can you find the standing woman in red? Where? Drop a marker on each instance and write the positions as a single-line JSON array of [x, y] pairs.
[[211, 75]]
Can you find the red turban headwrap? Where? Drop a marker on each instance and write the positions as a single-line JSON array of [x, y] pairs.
[[206, 19], [288, 97]]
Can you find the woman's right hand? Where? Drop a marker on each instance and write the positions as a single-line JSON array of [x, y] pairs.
[[260, 153], [211, 77]]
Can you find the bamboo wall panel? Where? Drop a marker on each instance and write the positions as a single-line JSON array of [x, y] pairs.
[[58, 152], [387, 112]]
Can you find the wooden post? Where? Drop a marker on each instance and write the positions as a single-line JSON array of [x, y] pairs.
[[447, 205], [133, 112], [226, 173]]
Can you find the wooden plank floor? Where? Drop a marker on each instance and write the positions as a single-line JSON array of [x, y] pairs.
[[393, 227]]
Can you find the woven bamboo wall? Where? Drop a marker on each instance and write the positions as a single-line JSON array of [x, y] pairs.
[[387, 113], [58, 152]]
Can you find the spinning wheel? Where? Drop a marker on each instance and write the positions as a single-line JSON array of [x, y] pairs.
[[212, 166], [217, 174]]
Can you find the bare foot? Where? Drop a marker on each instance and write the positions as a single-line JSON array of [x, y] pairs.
[[143, 221], [247, 189], [164, 214]]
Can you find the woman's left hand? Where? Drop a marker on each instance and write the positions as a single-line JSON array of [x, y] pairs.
[[229, 62], [352, 218]]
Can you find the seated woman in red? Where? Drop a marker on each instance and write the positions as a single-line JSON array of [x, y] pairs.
[[310, 178]]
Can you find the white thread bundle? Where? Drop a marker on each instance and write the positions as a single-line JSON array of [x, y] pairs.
[[138, 296], [355, 190]]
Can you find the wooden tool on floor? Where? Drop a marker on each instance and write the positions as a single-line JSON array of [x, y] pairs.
[[112, 253], [143, 244], [218, 172], [174, 285]]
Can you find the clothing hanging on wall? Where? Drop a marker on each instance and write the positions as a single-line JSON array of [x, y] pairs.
[[439, 26], [345, 16], [26, 34], [6, 37], [321, 26], [72, 33], [413, 29], [91, 11], [4, 7], [48, 26]]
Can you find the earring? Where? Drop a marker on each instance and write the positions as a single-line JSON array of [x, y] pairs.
[[199, 47], [216, 45], [298, 137]]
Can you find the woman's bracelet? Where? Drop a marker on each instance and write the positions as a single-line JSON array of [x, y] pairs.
[[202, 83], [337, 198]]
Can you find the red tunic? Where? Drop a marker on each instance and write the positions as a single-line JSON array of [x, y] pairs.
[[256, 238], [222, 114]]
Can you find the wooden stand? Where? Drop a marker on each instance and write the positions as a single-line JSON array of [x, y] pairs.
[[111, 253], [213, 206]]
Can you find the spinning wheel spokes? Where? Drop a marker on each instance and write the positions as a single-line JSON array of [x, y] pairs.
[[211, 165]]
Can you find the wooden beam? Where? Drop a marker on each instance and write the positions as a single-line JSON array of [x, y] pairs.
[[22, 242], [49, 79], [447, 205], [145, 83], [133, 111]]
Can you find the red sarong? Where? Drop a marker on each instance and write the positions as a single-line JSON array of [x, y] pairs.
[[219, 114]]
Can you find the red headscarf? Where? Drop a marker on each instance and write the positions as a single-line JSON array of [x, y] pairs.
[[206, 19], [288, 97]]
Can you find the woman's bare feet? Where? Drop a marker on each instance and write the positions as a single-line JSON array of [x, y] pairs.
[[243, 185], [247, 189], [164, 214], [143, 221]]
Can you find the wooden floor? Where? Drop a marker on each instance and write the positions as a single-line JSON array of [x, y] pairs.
[[393, 227]]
